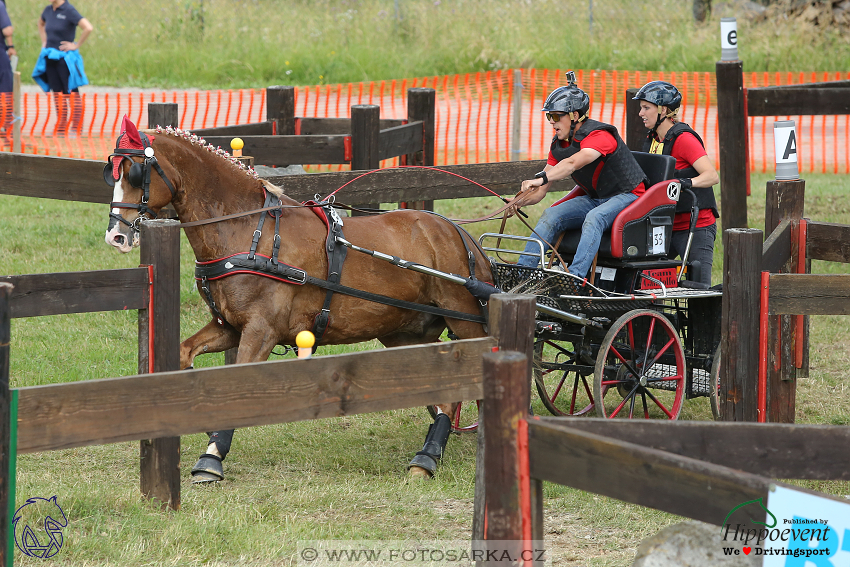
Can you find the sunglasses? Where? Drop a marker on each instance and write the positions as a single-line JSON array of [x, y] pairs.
[[554, 116]]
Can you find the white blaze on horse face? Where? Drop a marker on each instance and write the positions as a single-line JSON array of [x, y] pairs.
[[124, 242]]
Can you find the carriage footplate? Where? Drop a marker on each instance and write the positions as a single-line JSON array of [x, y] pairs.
[[207, 469]]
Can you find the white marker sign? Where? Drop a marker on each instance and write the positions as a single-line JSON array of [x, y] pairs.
[[785, 145], [728, 39]]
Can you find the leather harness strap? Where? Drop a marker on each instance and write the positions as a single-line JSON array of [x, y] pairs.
[[239, 264], [336, 257], [261, 265]]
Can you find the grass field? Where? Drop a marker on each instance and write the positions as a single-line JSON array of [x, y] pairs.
[[255, 43], [339, 479]]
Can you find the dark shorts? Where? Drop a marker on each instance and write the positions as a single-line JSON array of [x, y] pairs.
[[5, 73], [58, 75], [702, 248]]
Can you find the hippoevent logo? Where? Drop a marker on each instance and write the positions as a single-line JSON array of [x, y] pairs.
[[805, 538], [38, 527]]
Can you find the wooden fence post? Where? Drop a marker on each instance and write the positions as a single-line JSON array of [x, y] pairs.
[[280, 109], [635, 130], [739, 343], [365, 131], [163, 114], [512, 325], [506, 388], [7, 494], [784, 200], [732, 130], [160, 247], [421, 105]]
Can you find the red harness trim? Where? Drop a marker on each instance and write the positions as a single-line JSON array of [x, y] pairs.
[[245, 271]]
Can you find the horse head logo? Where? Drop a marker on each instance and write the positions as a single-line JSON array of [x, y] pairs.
[[763, 507], [38, 527]]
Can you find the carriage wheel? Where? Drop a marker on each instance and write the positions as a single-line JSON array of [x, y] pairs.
[[714, 386], [465, 418], [642, 358], [563, 390]]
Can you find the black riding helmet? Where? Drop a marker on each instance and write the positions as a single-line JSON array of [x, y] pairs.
[[660, 93], [568, 99]]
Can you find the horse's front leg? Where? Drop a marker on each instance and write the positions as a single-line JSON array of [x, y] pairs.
[[424, 464], [211, 338], [255, 345]]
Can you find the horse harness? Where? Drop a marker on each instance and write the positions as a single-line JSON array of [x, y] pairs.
[[139, 177], [271, 267]]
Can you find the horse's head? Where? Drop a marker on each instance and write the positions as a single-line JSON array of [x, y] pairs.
[[137, 193]]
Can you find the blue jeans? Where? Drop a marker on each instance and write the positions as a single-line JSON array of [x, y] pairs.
[[594, 216]]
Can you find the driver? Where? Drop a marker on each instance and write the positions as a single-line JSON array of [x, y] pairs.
[[597, 159], [659, 105]]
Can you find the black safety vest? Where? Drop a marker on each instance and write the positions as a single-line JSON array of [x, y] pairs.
[[620, 172], [704, 195]]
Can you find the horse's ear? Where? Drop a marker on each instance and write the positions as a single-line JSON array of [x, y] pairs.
[[132, 132]]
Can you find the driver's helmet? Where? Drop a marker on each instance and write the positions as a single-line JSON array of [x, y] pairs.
[[567, 99], [660, 93]]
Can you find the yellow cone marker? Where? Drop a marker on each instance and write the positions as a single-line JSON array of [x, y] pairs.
[[305, 341], [237, 144]]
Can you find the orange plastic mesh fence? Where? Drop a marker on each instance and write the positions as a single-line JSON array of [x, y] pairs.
[[474, 114]]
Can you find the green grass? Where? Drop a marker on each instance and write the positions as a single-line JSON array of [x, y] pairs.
[[255, 43], [340, 478]]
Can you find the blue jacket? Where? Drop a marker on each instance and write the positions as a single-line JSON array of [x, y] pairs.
[[75, 65]]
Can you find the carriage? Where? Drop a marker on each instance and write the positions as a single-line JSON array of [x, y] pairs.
[[644, 335]]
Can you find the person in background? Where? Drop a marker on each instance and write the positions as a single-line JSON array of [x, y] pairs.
[[597, 159], [60, 66], [659, 105], [6, 75]]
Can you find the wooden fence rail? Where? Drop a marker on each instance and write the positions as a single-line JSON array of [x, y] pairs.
[[82, 180], [168, 404], [699, 470], [37, 295]]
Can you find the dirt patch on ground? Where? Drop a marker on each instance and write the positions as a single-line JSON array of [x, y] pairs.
[[570, 540]]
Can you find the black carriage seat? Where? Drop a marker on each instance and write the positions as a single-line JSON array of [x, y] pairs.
[[644, 228]]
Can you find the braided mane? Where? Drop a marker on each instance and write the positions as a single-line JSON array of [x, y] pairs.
[[198, 141]]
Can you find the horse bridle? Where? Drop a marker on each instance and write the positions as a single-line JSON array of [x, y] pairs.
[[139, 177]]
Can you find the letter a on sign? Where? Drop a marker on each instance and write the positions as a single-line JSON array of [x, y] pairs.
[[790, 147]]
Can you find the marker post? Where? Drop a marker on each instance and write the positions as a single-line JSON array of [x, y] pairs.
[[731, 128]]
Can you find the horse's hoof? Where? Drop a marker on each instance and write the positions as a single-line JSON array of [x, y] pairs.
[[207, 469], [419, 472], [425, 463]]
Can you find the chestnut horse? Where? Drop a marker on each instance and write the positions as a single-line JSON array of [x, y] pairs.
[[256, 313]]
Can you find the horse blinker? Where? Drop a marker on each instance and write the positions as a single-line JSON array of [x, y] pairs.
[[136, 175]]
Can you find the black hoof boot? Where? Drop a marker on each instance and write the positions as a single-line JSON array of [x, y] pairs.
[[435, 444], [207, 469]]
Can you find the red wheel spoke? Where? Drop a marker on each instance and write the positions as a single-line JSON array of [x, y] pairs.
[[659, 404], [649, 336], [560, 385], [632, 341], [677, 377], [623, 403], [631, 366], [587, 389], [660, 353], [575, 391], [645, 409]]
